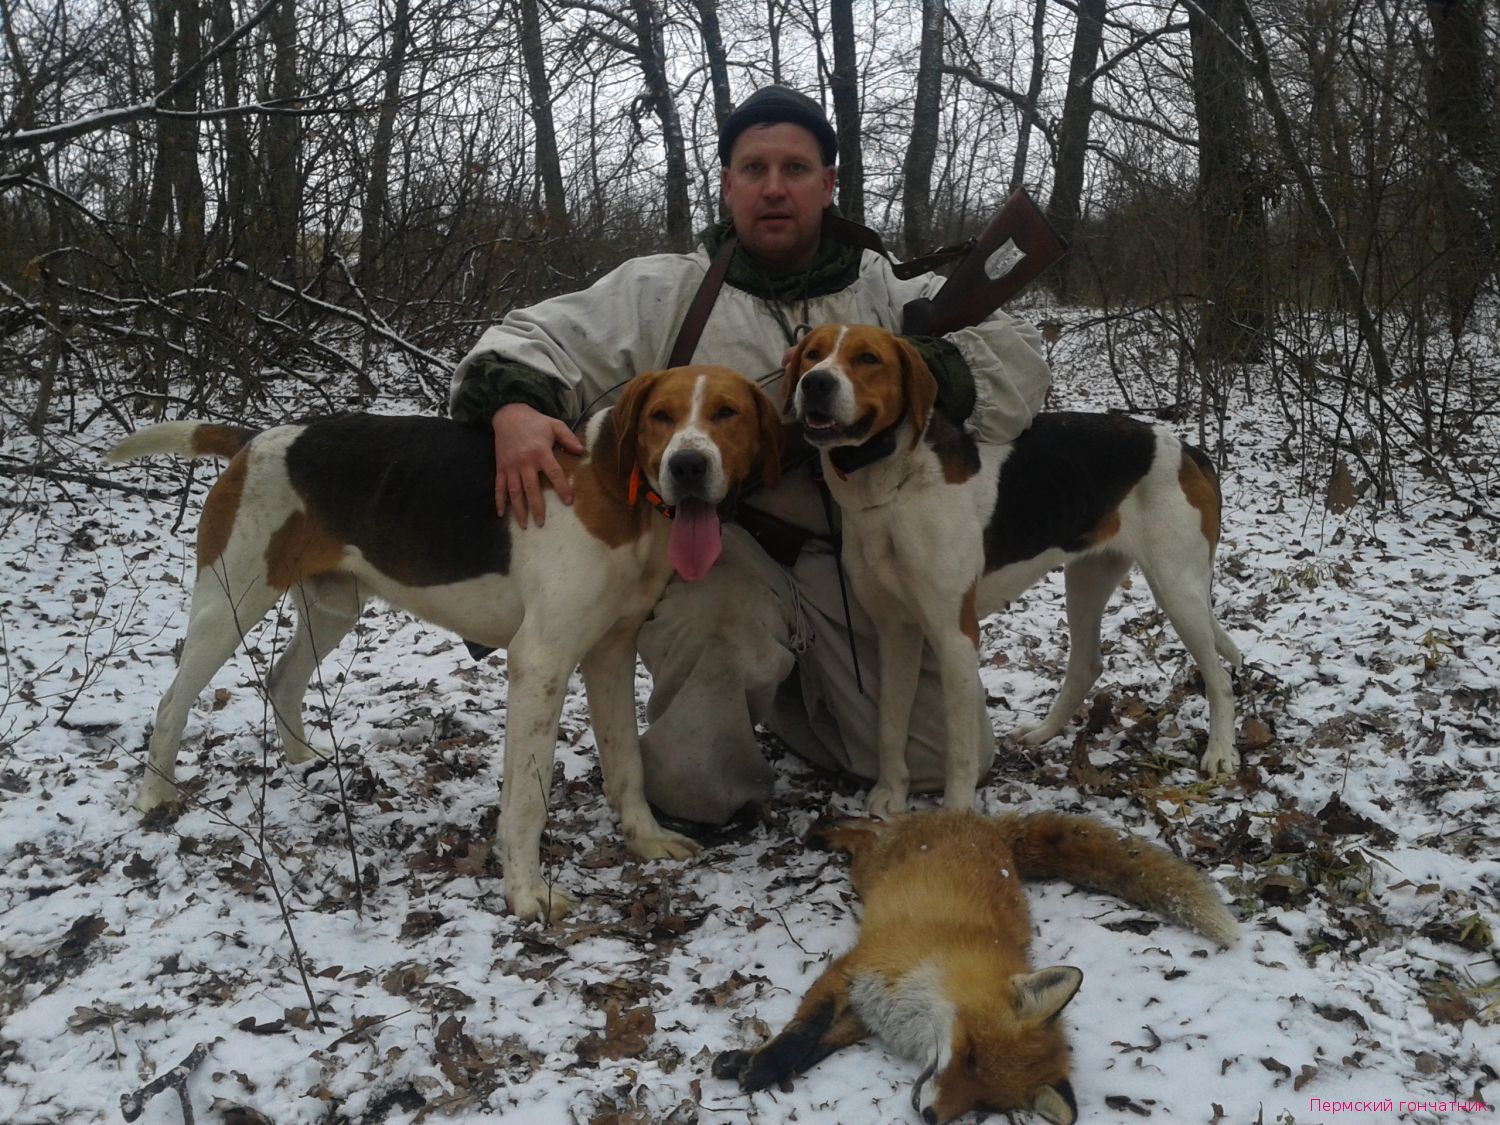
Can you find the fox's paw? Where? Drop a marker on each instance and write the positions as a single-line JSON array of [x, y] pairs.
[[777, 1063], [753, 1070], [730, 1065]]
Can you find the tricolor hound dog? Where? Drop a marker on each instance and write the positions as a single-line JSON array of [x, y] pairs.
[[939, 531], [334, 511]]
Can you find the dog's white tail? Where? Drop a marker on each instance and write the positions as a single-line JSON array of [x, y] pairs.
[[186, 439]]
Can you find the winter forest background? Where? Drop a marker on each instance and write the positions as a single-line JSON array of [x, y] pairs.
[[226, 200], [1285, 217]]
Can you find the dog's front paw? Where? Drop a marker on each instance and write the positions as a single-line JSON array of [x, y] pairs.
[[1220, 761], [297, 752], [662, 844], [1042, 732], [155, 792], [959, 795], [540, 902], [886, 800]]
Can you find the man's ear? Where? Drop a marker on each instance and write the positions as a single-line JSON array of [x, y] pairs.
[[918, 384], [830, 178], [625, 415]]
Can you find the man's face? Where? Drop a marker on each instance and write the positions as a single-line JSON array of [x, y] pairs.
[[775, 189]]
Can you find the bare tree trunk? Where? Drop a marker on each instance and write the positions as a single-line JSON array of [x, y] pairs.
[[1033, 93], [718, 58], [239, 185], [189, 180], [176, 202], [549, 164], [775, 19], [1259, 60], [1461, 95], [843, 83], [659, 94], [916, 172], [1065, 206], [373, 208], [1232, 319], [280, 156]]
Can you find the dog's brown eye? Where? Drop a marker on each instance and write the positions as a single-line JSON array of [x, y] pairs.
[[661, 416], [724, 413], [971, 1060], [867, 357], [812, 353]]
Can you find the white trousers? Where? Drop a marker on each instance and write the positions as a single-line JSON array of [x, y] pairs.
[[722, 652]]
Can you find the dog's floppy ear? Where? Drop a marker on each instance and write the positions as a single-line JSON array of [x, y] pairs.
[[771, 436], [625, 416], [791, 373], [918, 384]]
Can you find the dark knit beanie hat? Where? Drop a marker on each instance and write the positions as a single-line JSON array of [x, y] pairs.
[[773, 105]]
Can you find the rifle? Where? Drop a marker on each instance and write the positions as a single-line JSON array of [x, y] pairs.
[[1014, 249]]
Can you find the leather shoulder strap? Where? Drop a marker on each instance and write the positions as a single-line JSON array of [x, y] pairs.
[[703, 304]]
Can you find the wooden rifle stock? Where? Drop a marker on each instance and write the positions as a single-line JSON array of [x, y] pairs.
[[1016, 248]]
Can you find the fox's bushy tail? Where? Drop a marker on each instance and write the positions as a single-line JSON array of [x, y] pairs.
[[1095, 856], [185, 439]]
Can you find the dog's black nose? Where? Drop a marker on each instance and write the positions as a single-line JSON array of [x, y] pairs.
[[817, 388], [929, 1115], [688, 469]]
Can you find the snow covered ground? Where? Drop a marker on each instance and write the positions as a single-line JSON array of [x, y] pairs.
[[334, 945]]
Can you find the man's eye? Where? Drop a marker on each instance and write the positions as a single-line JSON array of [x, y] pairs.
[[724, 413]]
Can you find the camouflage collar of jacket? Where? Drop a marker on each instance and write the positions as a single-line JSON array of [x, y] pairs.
[[835, 268]]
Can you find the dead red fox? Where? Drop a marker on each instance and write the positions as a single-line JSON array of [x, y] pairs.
[[940, 971]]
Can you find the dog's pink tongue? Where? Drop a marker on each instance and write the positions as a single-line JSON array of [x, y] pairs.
[[694, 545]]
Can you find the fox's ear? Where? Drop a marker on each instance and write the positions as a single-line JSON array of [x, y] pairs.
[[1042, 994], [1056, 1103]]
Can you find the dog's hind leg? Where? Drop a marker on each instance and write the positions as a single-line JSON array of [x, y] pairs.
[[1224, 644], [328, 608], [1183, 596], [1088, 583], [220, 614]]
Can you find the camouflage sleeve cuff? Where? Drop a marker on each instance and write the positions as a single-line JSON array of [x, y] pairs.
[[956, 396], [492, 382]]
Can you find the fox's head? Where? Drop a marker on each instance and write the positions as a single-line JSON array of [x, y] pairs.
[[1013, 1057]]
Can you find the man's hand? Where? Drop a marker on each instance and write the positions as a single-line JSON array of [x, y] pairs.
[[525, 442]]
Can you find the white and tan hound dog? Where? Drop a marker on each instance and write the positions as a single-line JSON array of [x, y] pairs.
[[939, 531], [335, 511]]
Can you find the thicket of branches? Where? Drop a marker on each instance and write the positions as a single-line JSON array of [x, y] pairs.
[[206, 200]]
